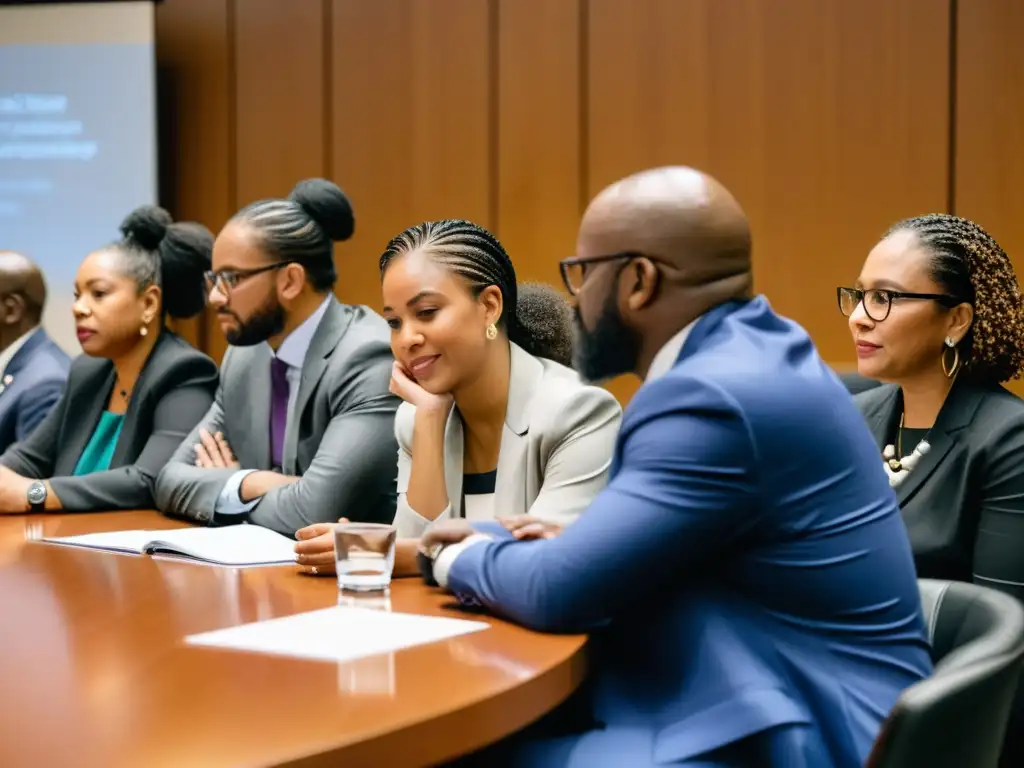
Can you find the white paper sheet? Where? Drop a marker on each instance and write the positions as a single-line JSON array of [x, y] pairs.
[[337, 634]]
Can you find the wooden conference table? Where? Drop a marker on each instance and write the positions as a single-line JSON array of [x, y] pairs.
[[93, 670]]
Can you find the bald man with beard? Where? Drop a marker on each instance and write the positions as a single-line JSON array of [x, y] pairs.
[[745, 576], [33, 369]]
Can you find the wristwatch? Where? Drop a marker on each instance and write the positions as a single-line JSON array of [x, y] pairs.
[[37, 496], [425, 562]]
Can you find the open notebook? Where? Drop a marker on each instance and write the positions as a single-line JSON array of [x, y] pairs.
[[233, 545]]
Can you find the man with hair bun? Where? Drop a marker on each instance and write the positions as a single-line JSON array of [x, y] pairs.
[[302, 427]]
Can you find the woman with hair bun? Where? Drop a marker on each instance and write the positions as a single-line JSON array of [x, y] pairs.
[[138, 389], [494, 423]]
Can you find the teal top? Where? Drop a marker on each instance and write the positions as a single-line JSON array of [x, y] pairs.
[[100, 450]]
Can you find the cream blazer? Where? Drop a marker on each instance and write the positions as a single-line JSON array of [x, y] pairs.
[[555, 452]]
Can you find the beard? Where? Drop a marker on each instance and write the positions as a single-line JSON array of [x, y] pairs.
[[610, 349], [265, 322]]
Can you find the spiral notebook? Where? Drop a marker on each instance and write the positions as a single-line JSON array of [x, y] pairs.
[[236, 546]]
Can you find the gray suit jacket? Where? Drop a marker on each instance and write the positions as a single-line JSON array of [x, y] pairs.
[[339, 438], [555, 452], [172, 393]]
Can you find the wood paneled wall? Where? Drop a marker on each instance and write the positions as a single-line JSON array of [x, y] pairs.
[[828, 119]]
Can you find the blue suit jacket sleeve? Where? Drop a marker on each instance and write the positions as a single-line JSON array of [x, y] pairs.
[[35, 406], [684, 491]]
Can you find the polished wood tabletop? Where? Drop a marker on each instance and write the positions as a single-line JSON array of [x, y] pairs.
[[94, 671]]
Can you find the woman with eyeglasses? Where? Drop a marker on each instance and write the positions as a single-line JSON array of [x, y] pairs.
[[139, 388], [936, 314], [494, 423]]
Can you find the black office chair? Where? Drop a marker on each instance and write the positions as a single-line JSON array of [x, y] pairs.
[[957, 717]]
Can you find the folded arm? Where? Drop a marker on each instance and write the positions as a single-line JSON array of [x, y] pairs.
[[346, 478], [683, 494], [36, 455]]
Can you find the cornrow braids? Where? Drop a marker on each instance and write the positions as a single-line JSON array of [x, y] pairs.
[[477, 256], [970, 265], [470, 251]]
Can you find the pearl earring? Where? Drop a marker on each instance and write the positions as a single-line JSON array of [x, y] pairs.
[[143, 331]]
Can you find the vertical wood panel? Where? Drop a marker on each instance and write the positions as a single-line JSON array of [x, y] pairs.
[[990, 123], [412, 122], [280, 108], [539, 133], [193, 64], [829, 120]]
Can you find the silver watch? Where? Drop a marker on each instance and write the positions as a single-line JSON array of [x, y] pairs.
[[37, 496]]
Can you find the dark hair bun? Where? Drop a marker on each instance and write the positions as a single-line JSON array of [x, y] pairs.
[[327, 205], [146, 226], [543, 323], [185, 256]]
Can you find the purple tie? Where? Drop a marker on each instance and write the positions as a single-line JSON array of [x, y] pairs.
[[278, 409]]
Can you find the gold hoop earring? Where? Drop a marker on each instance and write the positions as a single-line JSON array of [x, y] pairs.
[[951, 370], [492, 332]]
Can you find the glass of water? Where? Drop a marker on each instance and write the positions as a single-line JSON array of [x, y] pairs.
[[364, 556]]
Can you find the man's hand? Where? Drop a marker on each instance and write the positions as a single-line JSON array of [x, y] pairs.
[[526, 528], [213, 452], [13, 492], [445, 532], [315, 548]]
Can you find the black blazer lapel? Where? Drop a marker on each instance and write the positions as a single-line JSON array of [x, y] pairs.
[[83, 415], [140, 401], [957, 412]]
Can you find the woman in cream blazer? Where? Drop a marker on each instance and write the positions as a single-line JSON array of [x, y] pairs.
[[494, 423]]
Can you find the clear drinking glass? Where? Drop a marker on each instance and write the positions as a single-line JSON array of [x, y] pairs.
[[364, 556]]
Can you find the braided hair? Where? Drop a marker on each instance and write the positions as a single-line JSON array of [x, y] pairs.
[[172, 256], [534, 316], [302, 228], [969, 265]]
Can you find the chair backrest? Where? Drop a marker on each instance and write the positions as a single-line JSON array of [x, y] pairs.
[[957, 717]]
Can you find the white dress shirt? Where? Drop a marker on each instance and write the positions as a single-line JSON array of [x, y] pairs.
[[292, 353]]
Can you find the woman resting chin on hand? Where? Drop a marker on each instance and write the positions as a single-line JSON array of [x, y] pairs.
[[494, 424]]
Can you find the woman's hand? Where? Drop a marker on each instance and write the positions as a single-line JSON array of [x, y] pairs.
[[405, 386], [525, 528], [315, 548]]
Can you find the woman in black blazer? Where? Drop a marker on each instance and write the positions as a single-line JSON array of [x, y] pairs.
[[936, 313], [138, 390]]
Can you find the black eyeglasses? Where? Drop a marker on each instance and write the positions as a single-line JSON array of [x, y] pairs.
[[878, 301], [574, 269], [227, 279]]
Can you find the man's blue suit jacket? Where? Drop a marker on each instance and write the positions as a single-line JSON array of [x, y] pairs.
[[745, 574], [35, 379]]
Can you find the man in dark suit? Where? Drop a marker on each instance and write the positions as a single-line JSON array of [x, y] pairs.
[[745, 575], [33, 369], [302, 428]]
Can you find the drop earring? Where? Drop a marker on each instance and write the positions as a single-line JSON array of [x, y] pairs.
[[953, 369], [492, 332], [143, 331]]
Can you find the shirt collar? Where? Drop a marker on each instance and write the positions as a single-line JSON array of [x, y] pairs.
[[8, 354], [669, 353], [293, 349]]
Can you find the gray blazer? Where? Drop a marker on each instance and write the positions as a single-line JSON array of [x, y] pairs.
[[339, 439], [174, 390], [556, 447]]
